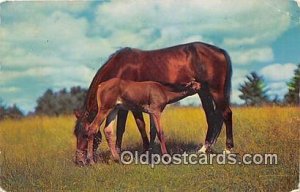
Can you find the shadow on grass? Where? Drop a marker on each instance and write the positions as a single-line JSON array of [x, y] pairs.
[[173, 147]]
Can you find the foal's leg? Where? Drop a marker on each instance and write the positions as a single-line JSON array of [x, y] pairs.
[[109, 133], [90, 150], [91, 132], [96, 143], [97, 122], [156, 118], [139, 119]]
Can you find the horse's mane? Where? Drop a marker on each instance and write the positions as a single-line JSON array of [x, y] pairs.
[[92, 90], [97, 78]]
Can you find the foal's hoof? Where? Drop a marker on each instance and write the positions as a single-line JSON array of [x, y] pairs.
[[116, 159], [81, 163], [91, 162]]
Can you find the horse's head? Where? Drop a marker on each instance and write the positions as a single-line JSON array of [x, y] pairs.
[[81, 123], [193, 86], [81, 137], [83, 119]]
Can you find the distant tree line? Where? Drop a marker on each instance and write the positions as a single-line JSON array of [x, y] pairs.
[[293, 94], [254, 92], [62, 102], [10, 111]]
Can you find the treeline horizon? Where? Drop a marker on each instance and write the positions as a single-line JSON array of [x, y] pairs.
[[253, 91]]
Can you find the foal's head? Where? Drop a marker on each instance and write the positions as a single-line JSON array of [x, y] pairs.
[[193, 86]]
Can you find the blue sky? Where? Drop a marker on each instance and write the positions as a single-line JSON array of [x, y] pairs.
[[62, 44]]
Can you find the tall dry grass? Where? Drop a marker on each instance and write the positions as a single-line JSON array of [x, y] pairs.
[[37, 154]]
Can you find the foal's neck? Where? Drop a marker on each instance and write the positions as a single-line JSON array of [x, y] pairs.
[[176, 96]]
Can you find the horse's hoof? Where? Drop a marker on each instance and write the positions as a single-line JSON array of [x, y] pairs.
[[202, 150], [80, 158], [118, 150], [227, 151]]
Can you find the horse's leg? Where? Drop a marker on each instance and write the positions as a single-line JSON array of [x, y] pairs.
[[81, 152], [93, 143], [121, 121], [96, 143], [229, 135], [223, 114], [160, 133], [139, 119], [207, 104], [109, 133], [152, 132]]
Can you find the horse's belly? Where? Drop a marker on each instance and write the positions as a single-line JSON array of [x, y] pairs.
[[125, 105]]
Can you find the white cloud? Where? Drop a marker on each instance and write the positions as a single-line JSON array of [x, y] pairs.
[[235, 97], [276, 76], [298, 3], [65, 76], [238, 77], [235, 42], [32, 11], [55, 40], [278, 72], [243, 57], [277, 89], [252, 23], [9, 90]]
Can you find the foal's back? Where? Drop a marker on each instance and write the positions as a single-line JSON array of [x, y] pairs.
[[130, 92]]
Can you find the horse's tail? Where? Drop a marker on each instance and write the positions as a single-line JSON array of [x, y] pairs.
[[227, 84]]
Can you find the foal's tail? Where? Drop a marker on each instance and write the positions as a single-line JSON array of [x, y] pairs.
[[99, 97]]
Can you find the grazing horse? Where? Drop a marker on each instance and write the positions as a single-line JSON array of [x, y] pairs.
[[147, 96], [207, 64]]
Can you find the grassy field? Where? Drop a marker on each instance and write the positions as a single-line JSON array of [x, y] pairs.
[[37, 155]]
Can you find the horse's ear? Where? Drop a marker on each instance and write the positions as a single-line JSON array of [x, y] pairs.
[[77, 113]]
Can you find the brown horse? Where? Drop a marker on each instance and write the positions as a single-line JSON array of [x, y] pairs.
[[207, 64], [147, 96]]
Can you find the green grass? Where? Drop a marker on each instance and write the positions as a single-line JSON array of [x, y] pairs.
[[37, 155]]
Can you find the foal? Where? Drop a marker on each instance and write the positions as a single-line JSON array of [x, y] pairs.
[[148, 96]]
